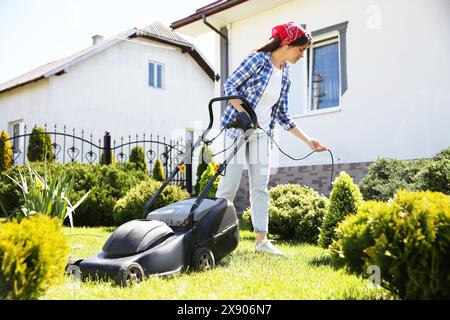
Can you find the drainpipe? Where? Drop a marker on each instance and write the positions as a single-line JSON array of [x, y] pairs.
[[223, 33]]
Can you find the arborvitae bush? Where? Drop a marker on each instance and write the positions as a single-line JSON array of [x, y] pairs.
[[204, 158], [295, 213], [407, 238], [206, 177], [33, 254], [137, 159], [40, 147], [6, 153], [158, 171], [345, 198]]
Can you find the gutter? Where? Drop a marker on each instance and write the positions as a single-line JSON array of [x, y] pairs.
[[224, 59]]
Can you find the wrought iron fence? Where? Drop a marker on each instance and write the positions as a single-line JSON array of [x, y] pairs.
[[69, 147]]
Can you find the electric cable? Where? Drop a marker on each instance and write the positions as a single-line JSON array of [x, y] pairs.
[[298, 159]]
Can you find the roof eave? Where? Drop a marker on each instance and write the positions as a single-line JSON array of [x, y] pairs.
[[65, 66], [22, 84], [192, 50], [210, 11]]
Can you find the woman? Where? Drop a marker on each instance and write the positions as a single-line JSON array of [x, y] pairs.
[[263, 79]]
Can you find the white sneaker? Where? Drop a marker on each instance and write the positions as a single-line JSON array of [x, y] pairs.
[[266, 246]]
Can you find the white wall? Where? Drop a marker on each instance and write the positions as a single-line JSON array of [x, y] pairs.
[[22, 103], [397, 103], [112, 90]]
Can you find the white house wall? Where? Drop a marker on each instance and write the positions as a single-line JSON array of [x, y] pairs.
[[110, 92], [22, 103], [397, 102]]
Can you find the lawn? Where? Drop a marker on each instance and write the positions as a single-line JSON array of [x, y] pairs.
[[305, 273]]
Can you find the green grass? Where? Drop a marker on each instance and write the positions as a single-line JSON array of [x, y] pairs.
[[304, 274]]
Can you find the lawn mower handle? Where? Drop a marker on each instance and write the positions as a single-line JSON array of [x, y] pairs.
[[245, 104], [247, 107]]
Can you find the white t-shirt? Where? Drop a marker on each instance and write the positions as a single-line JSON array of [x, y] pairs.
[[270, 96]]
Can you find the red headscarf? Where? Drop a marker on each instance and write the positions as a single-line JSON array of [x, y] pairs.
[[287, 32]]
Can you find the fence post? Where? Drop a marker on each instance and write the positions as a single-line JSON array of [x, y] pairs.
[[107, 147], [189, 166]]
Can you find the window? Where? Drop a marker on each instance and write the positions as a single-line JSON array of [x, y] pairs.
[[324, 75], [319, 80], [14, 131], [156, 75]]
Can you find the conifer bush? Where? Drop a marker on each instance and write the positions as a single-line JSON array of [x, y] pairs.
[[131, 206], [345, 198], [204, 158], [206, 177], [6, 153], [435, 176], [40, 147], [295, 213], [442, 155], [33, 255], [386, 176], [158, 171], [137, 159], [408, 238]]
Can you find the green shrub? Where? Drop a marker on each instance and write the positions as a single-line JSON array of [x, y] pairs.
[[131, 206], [33, 254], [345, 198], [435, 176], [204, 158], [158, 171], [206, 177], [6, 153], [442, 155], [387, 176], [107, 185], [295, 213], [354, 235], [384, 178], [40, 147], [137, 159], [408, 239]]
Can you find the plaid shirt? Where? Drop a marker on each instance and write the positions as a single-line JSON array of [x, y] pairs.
[[250, 80]]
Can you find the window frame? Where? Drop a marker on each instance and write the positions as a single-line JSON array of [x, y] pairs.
[[320, 41], [11, 126], [155, 75], [340, 30]]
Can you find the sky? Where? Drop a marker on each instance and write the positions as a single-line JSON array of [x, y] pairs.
[[36, 32]]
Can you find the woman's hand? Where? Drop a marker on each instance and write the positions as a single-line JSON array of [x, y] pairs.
[[315, 145]]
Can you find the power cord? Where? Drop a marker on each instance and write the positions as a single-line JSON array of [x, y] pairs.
[[298, 159], [208, 142]]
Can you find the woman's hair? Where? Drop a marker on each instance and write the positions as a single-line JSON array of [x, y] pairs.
[[275, 43]]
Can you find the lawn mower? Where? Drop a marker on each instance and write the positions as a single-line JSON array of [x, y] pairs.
[[192, 233]]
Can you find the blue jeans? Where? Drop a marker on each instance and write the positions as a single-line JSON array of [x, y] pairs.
[[256, 153]]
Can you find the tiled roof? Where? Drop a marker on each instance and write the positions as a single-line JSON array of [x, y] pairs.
[[159, 30]]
